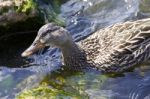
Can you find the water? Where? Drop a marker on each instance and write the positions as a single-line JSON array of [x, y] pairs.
[[82, 18]]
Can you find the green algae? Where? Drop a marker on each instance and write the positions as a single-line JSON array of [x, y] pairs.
[[65, 85], [27, 6], [46, 92]]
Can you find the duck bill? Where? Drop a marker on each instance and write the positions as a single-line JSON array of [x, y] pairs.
[[36, 45]]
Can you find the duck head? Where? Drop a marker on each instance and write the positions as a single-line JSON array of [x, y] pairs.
[[48, 35]]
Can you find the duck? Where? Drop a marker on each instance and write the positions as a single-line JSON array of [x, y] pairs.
[[115, 48]]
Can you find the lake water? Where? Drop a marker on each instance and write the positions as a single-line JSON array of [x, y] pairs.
[[82, 18]]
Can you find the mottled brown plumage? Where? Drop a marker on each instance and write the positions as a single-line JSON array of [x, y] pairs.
[[120, 46], [112, 49]]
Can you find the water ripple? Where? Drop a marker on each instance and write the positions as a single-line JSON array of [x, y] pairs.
[[142, 91]]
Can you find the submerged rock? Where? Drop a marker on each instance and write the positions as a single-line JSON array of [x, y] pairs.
[[12, 11], [46, 92], [25, 15]]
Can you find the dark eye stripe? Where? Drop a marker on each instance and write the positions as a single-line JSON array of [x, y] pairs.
[[48, 31], [45, 33]]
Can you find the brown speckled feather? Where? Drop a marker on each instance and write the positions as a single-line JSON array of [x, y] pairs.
[[120, 46]]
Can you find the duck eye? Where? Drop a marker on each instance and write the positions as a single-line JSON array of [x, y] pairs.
[[44, 34]]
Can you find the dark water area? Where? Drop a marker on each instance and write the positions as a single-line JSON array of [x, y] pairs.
[[82, 18], [11, 48]]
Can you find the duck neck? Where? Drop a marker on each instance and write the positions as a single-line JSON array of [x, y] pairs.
[[73, 56]]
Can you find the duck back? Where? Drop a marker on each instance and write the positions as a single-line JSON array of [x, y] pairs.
[[118, 47]]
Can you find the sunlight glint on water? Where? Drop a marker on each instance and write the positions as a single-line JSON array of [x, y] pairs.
[[83, 17]]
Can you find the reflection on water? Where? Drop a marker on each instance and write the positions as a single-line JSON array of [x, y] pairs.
[[82, 18]]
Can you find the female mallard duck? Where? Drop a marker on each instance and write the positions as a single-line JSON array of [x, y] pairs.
[[112, 49]]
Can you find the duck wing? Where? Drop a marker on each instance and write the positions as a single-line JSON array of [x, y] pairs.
[[120, 46]]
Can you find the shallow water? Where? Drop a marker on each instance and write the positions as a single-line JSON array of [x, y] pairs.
[[82, 18]]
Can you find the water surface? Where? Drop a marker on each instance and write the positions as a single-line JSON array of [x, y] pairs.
[[82, 17]]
